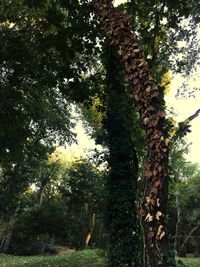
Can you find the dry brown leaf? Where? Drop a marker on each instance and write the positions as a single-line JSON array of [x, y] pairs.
[[157, 183], [145, 120], [158, 215], [161, 235], [149, 218], [147, 199]]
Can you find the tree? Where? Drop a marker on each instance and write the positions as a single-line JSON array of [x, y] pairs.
[[149, 99], [113, 122], [117, 26], [65, 73], [39, 78], [122, 221], [83, 192], [40, 75], [186, 192], [38, 226]]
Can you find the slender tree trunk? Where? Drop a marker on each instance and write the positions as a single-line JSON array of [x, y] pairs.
[[91, 229], [41, 193], [178, 209], [146, 94], [100, 234]]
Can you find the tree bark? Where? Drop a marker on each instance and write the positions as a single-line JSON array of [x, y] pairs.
[[146, 94]]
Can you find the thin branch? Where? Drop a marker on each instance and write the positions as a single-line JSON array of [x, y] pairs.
[[196, 114], [184, 126], [194, 229]]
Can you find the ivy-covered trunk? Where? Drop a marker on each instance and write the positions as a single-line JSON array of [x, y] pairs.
[[122, 219], [146, 94]]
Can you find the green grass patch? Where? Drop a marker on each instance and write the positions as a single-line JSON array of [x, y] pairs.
[[86, 258], [190, 261]]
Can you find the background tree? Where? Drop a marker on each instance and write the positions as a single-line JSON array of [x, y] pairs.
[[84, 192], [38, 72], [186, 206]]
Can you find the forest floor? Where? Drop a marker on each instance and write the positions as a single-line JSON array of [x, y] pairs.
[[86, 258]]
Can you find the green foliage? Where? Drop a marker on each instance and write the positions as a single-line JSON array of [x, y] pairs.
[[84, 186], [70, 199], [45, 49], [36, 226], [83, 191], [184, 189], [189, 195], [34, 115], [161, 25]]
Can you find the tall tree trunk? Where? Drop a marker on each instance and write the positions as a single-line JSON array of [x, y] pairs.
[[122, 185], [146, 94]]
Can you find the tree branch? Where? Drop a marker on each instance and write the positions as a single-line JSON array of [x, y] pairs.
[[194, 229], [196, 114], [183, 126]]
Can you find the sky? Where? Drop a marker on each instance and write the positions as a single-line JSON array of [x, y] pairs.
[[183, 107], [117, 2]]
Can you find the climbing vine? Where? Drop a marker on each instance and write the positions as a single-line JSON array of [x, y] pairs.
[[146, 94]]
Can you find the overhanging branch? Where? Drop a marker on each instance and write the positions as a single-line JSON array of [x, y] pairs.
[[183, 127], [196, 114]]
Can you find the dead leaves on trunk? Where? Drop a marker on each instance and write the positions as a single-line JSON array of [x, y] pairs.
[[117, 26]]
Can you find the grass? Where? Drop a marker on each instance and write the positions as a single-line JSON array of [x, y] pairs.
[[190, 261], [86, 258]]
